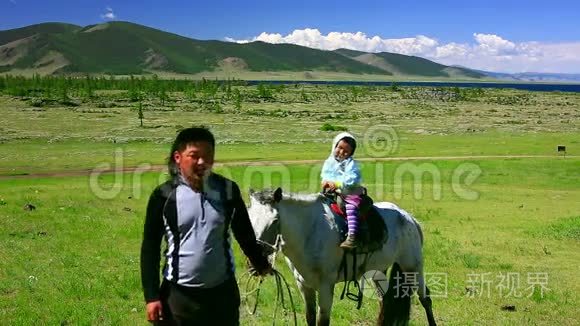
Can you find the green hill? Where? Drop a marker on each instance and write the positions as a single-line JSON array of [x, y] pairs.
[[44, 28], [399, 64], [128, 48]]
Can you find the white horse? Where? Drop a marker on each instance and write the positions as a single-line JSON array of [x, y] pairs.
[[310, 243]]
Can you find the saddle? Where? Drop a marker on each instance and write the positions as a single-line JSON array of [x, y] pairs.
[[372, 231]]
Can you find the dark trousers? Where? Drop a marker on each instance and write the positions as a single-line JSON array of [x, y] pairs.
[[196, 306]]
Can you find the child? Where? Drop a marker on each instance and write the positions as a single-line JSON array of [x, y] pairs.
[[341, 171]]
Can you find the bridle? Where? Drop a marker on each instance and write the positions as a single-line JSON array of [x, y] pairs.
[[276, 246], [281, 282]]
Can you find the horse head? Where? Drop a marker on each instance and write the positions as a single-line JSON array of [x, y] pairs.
[[264, 214]]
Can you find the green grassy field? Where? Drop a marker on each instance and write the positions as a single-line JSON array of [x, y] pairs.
[[514, 227], [74, 259], [411, 122]]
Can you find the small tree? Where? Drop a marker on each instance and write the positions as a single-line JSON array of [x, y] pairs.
[[63, 93], [264, 92], [191, 94], [89, 88], [140, 113], [238, 99], [163, 95], [304, 96], [355, 92], [134, 91], [228, 87]]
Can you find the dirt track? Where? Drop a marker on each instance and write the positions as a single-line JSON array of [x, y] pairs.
[[86, 172]]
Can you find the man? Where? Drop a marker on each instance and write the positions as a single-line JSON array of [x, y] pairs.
[[194, 211]]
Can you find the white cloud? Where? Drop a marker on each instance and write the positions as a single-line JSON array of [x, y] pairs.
[[109, 15], [451, 49], [493, 44], [355, 41], [491, 52], [418, 45], [487, 51]]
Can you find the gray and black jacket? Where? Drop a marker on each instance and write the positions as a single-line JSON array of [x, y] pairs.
[[196, 229]]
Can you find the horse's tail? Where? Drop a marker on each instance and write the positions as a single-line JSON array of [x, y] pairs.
[[396, 303]]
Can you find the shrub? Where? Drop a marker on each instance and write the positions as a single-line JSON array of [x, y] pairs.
[[330, 127], [37, 102]]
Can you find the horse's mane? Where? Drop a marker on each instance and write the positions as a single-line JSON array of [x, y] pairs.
[[303, 198], [266, 196]]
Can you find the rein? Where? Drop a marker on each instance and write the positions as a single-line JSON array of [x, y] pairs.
[[281, 285], [357, 295], [354, 296]]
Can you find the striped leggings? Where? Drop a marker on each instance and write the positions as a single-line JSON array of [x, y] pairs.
[[352, 203]]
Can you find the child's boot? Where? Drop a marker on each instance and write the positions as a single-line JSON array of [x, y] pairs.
[[350, 242]]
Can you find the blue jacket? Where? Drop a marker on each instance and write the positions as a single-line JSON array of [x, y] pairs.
[[345, 174]]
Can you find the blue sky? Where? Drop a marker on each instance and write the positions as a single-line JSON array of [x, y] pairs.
[[510, 36]]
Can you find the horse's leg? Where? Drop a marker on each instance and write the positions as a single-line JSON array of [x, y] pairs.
[[325, 297], [423, 292], [381, 317], [381, 285], [396, 303], [425, 299], [309, 296]]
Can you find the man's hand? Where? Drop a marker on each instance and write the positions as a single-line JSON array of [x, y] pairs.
[[265, 271], [154, 311]]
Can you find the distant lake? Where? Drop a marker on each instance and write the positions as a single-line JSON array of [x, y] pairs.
[[539, 87]]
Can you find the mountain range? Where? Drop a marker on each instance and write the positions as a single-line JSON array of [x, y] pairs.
[[532, 76], [122, 48]]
